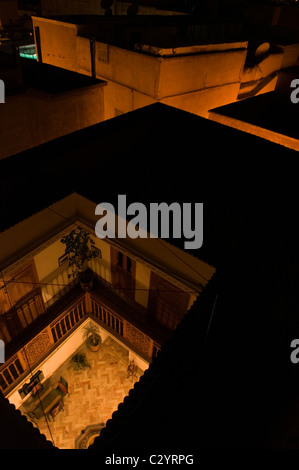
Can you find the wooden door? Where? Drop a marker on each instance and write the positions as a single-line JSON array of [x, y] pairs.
[[123, 270], [20, 301], [167, 302]]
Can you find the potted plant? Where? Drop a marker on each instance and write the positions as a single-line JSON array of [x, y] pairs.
[[80, 361], [78, 246], [92, 337]]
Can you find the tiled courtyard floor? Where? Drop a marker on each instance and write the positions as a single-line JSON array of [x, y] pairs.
[[95, 392]]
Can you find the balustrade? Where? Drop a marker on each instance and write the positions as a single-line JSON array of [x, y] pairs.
[[29, 355]]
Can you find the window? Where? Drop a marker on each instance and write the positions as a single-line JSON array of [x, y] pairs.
[[63, 259], [120, 259], [21, 301]]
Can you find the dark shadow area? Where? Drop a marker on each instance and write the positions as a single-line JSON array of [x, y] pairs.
[[233, 386]]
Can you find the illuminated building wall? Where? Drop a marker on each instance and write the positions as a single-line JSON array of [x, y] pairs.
[[140, 69], [193, 78]]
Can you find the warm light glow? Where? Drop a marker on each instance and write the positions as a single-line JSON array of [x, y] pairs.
[[97, 393]]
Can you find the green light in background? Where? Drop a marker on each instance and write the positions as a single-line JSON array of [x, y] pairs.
[[28, 52]]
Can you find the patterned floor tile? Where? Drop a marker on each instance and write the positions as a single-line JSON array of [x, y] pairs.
[[94, 392]]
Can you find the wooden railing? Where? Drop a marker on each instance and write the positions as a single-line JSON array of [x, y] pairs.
[[106, 316], [12, 370], [66, 322], [139, 341], [28, 357], [25, 311]]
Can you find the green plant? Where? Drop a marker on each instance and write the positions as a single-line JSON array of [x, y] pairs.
[[78, 246], [80, 361], [91, 336]]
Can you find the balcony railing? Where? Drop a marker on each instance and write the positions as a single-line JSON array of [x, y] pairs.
[[30, 355], [11, 372], [40, 345], [102, 313], [133, 336], [67, 321]]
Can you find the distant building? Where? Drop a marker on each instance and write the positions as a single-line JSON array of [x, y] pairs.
[[114, 7], [145, 61], [191, 65]]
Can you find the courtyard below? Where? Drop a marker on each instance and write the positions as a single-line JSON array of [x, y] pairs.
[[94, 393]]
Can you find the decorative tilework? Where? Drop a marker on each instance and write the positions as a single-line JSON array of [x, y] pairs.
[[36, 348]]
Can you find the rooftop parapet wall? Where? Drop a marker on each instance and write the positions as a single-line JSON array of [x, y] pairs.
[[58, 42], [137, 71], [161, 77], [189, 73], [185, 71]]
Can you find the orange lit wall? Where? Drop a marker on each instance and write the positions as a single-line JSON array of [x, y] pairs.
[[194, 82], [276, 137], [37, 117]]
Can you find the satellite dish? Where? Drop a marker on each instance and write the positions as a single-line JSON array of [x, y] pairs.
[[262, 50]]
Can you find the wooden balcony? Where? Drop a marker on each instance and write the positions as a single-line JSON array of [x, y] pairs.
[[123, 319]]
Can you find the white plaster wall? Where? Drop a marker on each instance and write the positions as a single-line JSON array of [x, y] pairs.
[[53, 277], [102, 266], [47, 260]]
